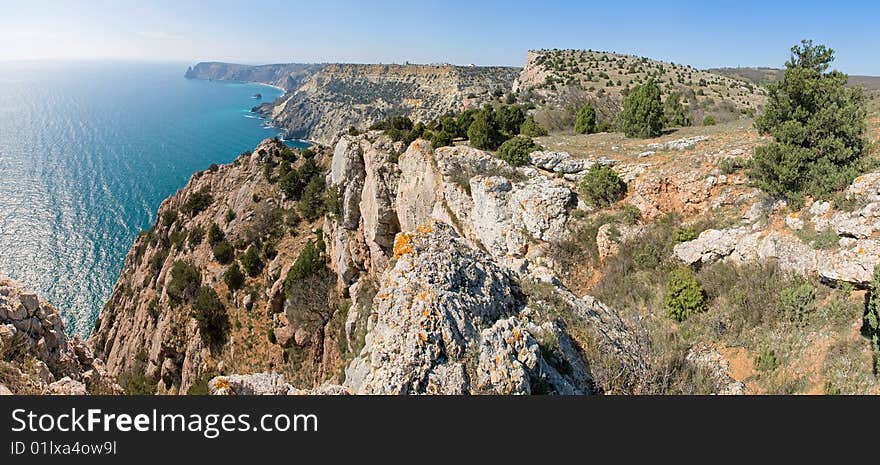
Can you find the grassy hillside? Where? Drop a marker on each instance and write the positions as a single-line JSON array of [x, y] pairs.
[[563, 80]]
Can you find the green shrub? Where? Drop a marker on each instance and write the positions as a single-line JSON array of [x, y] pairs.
[[197, 203], [252, 262], [709, 121], [483, 133], [178, 238], [291, 184], [766, 360], [586, 120], [153, 309], [185, 281], [211, 316], [630, 214], [196, 236], [270, 335], [169, 217], [158, 260], [310, 261], [510, 118], [311, 204], [684, 234], [732, 165], [215, 235], [515, 151], [604, 126], [449, 125], [233, 277], [135, 381], [642, 114], [676, 114], [684, 296], [200, 385], [530, 128], [230, 215], [818, 128], [602, 186], [797, 301], [441, 139], [223, 252]]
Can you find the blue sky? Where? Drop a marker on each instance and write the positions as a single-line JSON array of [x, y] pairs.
[[703, 33]]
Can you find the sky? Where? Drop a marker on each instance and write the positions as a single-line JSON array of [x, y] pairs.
[[706, 33]]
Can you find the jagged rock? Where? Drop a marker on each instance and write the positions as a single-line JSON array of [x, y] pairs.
[[433, 310], [36, 327], [853, 264], [563, 163], [258, 384], [865, 188], [510, 362], [495, 210], [4, 391], [711, 245], [820, 208], [67, 387], [794, 221], [686, 143]]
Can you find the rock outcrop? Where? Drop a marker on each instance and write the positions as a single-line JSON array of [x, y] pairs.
[[430, 246], [37, 355], [848, 254]]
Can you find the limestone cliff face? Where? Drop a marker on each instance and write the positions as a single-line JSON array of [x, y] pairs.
[[428, 273], [441, 254], [37, 356], [323, 101], [148, 325]]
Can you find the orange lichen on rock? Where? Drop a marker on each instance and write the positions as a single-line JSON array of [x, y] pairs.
[[425, 229], [222, 383], [402, 245]]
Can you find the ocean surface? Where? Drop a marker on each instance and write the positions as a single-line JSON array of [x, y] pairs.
[[87, 153]]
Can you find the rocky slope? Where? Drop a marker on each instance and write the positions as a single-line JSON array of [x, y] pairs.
[[37, 356], [148, 326], [322, 101], [437, 281]]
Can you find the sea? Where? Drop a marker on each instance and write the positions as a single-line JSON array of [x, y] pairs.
[[88, 151]]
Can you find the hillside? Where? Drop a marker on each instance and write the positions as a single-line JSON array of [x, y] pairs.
[[323, 100], [560, 81]]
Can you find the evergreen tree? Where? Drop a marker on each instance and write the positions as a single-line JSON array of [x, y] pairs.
[[586, 120], [676, 113], [642, 114]]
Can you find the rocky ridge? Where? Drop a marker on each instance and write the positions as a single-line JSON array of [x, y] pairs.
[[432, 248], [323, 100]]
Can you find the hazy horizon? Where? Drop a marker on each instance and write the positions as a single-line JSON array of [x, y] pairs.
[[721, 34]]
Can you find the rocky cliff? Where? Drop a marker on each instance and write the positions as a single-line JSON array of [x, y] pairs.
[[427, 273], [323, 100]]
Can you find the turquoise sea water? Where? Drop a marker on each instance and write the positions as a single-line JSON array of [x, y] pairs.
[[87, 153]]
